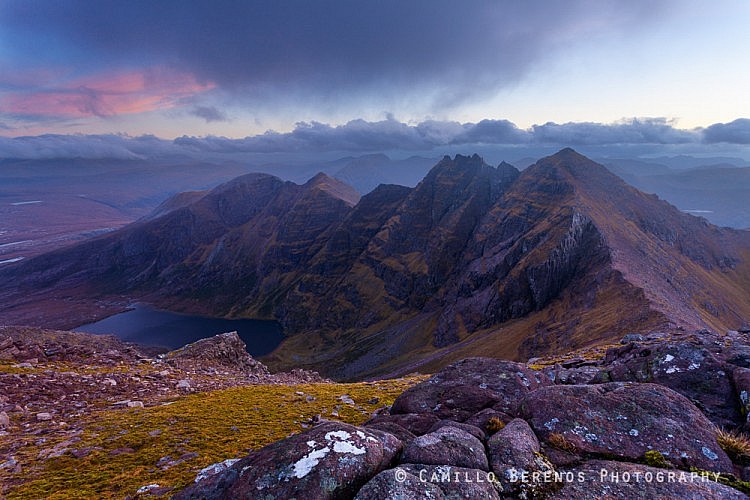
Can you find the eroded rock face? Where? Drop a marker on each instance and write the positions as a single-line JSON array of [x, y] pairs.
[[608, 479], [226, 349], [692, 370], [469, 386], [626, 420], [332, 460]]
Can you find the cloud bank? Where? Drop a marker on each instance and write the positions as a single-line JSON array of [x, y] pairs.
[[360, 136]]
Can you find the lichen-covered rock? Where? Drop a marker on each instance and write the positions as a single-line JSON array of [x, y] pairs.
[[605, 479], [457, 482], [686, 367], [398, 484], [488, 420], [515, 458], [403, 435], [329, 461], [742, 388], [416, 423], [469, 386], [447, 446], [573, 376], [626, 420], [471, 429]]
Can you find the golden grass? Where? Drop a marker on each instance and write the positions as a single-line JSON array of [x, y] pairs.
[[494, 425], [215, 425], [560, 442], [736, 444]]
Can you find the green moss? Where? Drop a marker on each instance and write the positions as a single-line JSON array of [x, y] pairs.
[[128, 447], [725, 479], [656, 459]]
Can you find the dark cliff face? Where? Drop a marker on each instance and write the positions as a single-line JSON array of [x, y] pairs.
[[557, 257]]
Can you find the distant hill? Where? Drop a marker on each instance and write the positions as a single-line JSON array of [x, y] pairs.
[[717, 192]]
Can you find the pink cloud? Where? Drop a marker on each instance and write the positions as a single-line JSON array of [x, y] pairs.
[[106, 94]]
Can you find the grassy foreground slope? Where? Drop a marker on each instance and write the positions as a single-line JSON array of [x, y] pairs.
[[123, 450]]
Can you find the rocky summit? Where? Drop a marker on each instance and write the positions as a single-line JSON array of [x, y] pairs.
[[474, 260], [630, 422]]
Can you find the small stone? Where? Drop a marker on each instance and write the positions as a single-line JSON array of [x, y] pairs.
[[121, 451], [183, 385], [310, 399], [373, 401], [43, 416], [4, 420], [346, 399], [632, 337], [147, 489], [135, 404], [155, 433], [10, 464], [110, 382]]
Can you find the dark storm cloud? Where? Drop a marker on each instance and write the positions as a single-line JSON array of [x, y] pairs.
[[638, 131], [391, 134], [322, 50], [209, 113], [736, 132], [360, 136], [114, 146], [493, 132]]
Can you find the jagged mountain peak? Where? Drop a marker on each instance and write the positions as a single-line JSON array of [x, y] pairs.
[[570, 165], [516, 263], [334, 187]]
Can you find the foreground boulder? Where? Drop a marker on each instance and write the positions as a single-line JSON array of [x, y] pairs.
[[447, 446], [626, 421], [333, 460], [607, 479], [514, 454], [440, 481], [687, 367], [466, 387]]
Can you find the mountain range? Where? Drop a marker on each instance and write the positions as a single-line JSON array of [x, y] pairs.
[[473, 260]]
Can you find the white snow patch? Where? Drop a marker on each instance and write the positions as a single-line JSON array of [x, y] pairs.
[[673, 369], [694, 366], [668, 358]]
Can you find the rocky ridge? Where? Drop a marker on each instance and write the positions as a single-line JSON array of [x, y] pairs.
[[634, 421], [54, 377], [474, 260]]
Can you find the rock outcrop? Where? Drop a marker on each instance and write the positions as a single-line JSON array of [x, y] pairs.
[[544, 434]]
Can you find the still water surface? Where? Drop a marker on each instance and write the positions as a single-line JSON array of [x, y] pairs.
[[149, 326]]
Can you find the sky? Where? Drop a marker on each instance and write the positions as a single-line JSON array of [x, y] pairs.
[[351, 75]]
